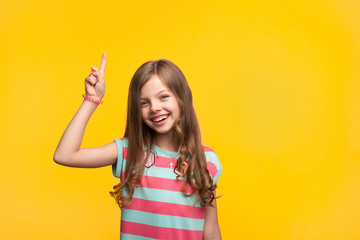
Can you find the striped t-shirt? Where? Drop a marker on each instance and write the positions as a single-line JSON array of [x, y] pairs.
[[159, 210]]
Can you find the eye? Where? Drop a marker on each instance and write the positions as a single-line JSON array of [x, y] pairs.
[[143, 103], [164, 96]]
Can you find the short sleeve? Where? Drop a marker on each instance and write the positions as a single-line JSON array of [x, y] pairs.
[[119, 166], [213, 164]]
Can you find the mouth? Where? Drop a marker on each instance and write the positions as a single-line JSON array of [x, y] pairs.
[[160, 120]]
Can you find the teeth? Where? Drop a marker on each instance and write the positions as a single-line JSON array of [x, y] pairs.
[[159, 119]]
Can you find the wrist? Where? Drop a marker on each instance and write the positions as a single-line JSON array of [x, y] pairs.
[[93, 99]]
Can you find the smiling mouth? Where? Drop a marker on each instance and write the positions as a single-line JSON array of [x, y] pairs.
[[160, 118]]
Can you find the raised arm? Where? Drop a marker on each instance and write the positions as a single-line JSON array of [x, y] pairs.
[[68, 151]]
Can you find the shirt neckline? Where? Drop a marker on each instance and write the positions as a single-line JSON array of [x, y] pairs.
[[166, 152]]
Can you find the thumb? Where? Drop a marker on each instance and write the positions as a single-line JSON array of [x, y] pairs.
[[97, 74], [94, 68]]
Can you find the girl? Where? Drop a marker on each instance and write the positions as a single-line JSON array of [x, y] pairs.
[[167, 178]]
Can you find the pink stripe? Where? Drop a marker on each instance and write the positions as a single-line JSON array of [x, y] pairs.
[[163, 183], [159, 160], [158, 232], [171, 163], [207, 149], [212, 169], [167, 208], [124, 152], [165, 162]]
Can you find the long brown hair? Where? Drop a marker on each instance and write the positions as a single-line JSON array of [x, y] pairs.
[[186, 129]]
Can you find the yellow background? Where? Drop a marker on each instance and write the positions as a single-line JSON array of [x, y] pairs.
[[276, 89]]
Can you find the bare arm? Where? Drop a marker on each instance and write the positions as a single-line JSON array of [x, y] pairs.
[[211, 227], [68, 151]]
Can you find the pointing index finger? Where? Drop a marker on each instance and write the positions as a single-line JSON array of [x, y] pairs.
[[103, 64]]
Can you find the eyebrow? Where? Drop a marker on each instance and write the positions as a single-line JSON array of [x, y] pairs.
[[162, 91]]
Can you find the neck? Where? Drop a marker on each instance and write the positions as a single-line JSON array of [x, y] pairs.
[[166, 142]]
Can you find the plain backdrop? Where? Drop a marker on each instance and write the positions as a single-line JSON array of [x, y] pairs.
[[276, 90]]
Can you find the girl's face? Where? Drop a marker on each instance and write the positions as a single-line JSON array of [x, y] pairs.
[[159, 107]]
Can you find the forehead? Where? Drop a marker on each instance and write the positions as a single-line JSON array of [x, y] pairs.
[[152, 87]]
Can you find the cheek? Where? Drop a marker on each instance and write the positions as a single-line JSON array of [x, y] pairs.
[[175, 109], [143, 113]]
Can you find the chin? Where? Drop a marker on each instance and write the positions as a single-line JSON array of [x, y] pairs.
[[165, 131]]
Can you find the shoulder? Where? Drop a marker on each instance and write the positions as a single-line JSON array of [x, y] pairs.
[[207, 149], [212, 162], [210, 154], [122, 146], [119, 166], [123, 142]]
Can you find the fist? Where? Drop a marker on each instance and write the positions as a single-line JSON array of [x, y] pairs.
[[95, 82]]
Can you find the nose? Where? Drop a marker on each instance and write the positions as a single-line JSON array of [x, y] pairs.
[[155, 107]]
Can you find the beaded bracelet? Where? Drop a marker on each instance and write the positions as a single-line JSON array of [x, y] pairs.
[[98, 101]]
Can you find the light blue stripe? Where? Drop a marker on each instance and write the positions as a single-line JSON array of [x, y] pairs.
[[218, 173], [211, 157], [124, 236], [153, 171], [161, 172], [160, 220], [163, 196]]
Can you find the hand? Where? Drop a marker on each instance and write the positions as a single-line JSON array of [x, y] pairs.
[[95, 82]]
